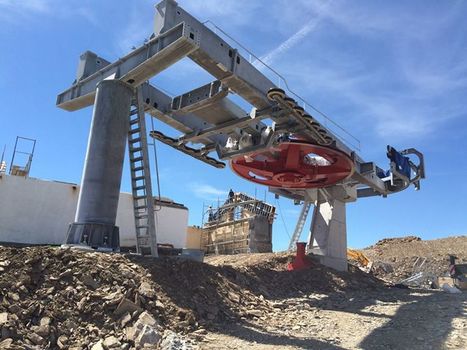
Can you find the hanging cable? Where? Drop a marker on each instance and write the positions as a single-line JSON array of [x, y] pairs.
[[157, 168], [282, 218]]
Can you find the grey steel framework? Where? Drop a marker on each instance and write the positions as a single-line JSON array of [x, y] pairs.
[[213, 128], [24, 166]]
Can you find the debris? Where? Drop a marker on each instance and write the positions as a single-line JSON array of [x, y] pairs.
[[111, 342], [147, 336], [126, 306], [450, 289], [397, 259], [6, 343], [3, 318], [98, 346], [62, 341], [144, 331], [137, 300], [125, 319], [146, 290], [89, 282], [36, 339], [173, 341], [45, 321]]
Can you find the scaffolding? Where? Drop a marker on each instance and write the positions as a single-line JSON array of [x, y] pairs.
[[22, 156], [242, 224]]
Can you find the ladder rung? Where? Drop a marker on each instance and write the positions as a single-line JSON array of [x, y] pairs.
[[138, 168], [136, 149], [143, 226], [138, 139], [139, 197], [134, 131], [137, 178], [134, 121], [137, 159], [143, 216], [137, 188], [141, 207]]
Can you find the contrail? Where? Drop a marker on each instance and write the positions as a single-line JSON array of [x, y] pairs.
[[293, 40], [289, 43]]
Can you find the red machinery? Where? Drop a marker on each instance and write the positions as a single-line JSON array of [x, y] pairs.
[[295, 164], [301, 260]]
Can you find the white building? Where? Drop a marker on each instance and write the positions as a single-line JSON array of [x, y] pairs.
[[34, 211]]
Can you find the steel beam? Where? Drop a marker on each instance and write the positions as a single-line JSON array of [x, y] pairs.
[[215, 55], [134, 68]]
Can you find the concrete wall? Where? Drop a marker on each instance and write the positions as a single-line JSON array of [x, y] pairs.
[[193, 237], [34, 211]]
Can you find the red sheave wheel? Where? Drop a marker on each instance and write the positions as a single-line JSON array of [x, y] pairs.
[[295, 164]]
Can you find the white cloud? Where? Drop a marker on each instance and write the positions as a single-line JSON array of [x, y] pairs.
[[207, 192], [382, 69], [138, 29], [25, 5], [297, 37], [235, 12], [396, 74], [12, 11], [18, 11]]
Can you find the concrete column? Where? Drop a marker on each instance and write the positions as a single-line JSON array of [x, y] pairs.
[[96, 213], [328, 234]]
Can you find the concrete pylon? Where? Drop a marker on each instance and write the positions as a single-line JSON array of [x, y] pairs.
[[328, 234], [96, 213]]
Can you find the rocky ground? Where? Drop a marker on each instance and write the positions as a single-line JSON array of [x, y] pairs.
[[393, 319], [395, 259], [52, 298]]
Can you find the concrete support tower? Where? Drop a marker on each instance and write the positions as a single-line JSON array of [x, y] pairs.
[[96, 213], [328, 234]]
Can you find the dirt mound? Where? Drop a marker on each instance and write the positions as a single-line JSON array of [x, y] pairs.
[[398, 258], [57, 298], [397, 240]]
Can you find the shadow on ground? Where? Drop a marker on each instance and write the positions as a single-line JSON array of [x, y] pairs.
[[221, 299], [423, 323]]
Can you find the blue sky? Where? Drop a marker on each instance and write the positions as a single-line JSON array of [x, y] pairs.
[[391, 72]]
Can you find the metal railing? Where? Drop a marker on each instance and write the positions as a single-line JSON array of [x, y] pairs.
[[349, 140]]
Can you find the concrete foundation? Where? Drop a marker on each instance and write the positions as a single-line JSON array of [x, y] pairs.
[[328, 235], [100, 185]]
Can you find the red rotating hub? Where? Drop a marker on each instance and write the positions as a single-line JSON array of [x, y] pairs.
[[294, 164]]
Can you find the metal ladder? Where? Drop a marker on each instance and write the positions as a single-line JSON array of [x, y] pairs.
[[143, 201], [300, 224]]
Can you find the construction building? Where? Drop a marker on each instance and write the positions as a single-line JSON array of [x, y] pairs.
[[242, 224], [35, 211]]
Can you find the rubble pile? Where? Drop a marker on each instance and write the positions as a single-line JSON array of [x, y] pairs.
[[54, 298], [395, 259], [67, 299], [398, 240]]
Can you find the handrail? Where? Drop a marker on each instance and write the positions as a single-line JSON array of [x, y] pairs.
[[356, 144]]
